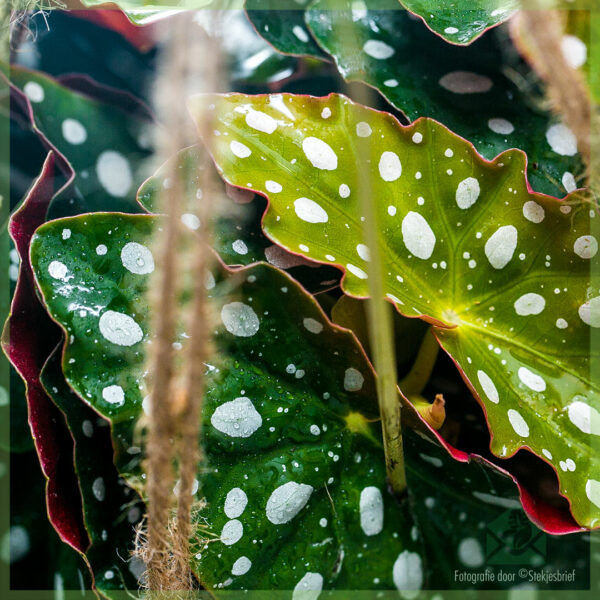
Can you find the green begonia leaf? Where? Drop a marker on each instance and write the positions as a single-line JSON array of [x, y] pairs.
[[103, 144], [467, 89], [237, 234], [502, 273], [462, 21], [111, 509], [276, 413], [282, 426], [281, 23]]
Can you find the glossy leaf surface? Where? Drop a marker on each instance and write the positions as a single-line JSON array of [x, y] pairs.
[[467, 89], [502, 273], [111, 508], [283, 428], [101, 143], [281, 23], [461, 21], [302, 418]]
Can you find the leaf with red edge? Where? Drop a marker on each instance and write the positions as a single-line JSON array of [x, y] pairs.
[[502, 273], [28, 339]]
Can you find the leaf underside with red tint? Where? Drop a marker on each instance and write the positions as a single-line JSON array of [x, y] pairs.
[[28, 339]]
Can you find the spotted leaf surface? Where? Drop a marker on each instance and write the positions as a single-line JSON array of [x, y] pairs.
[[502, 273], [281, 23], [295, 478], [461, 22], [467, 89], [104, 145], [237, 234]]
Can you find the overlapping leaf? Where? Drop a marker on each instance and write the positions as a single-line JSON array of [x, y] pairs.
[[503, 274], [281, 23], [470, 90], [462, 21], [276, 414], [111, 508], [237, 234], [105, 146], [27, 339]]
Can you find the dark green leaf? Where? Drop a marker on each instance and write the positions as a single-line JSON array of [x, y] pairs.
[[467, 89]]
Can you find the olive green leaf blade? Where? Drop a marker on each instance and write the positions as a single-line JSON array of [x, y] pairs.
[[503, 273], [480, 92], [104, 145], [464, 21], [295, 472]]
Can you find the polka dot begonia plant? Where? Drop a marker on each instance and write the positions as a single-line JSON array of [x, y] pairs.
[[399, 286], [294, 477]]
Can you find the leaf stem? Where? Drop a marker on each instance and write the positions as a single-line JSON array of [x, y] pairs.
[[379, 314], [415, 381]]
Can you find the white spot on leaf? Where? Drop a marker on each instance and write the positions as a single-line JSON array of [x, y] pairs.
[[232, 532], [114, 394], [467, 192], [260, 121], [530, 304], [320, 154], [390, 167], [114, 173], [488, 387], [235, 503], [120, 329], [407, 574], [584, 416], [73, 131], [311, 212], [518, 423], [533, 212], [378, 49], [309, 587], [562, 140], [237, 418], [371, 510], [466, 82], [353, 380], [417, 235], [501, 126], [586, 246], [501, 246], [137, 259], [240, 319], [531, 380], [286, 501], [239, 149]]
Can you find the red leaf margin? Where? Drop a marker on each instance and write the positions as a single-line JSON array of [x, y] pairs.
[[28, 338]]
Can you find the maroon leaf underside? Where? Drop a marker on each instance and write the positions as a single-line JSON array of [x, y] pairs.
[[28, 339]]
